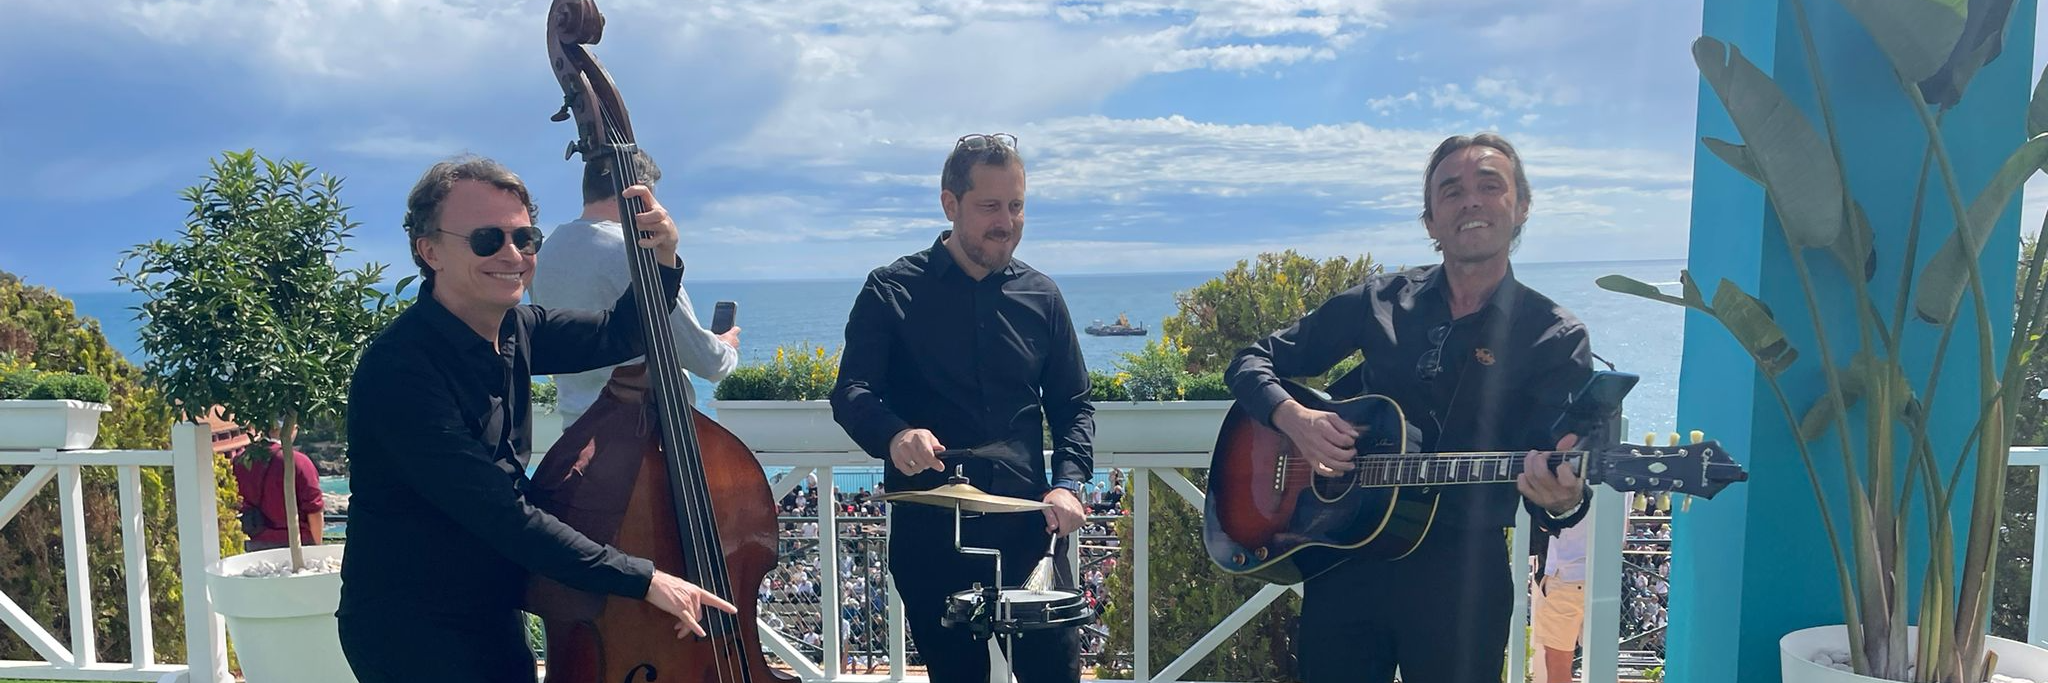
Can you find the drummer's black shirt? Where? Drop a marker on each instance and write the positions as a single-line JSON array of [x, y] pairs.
[[974, 361]]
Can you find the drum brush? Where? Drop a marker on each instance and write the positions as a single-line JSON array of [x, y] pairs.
[[1041, 576]]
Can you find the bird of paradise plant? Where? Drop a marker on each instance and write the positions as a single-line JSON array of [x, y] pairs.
[[1933, 48]]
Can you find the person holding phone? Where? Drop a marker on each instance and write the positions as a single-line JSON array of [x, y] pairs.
[[1478, 362], [581, 271]]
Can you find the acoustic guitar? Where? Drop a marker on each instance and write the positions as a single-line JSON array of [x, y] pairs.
[[1268, 515]]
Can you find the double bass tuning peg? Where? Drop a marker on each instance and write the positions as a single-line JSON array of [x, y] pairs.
[[562, 115]]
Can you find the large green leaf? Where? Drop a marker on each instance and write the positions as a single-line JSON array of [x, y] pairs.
[[1864, 372], [1917, 35], [2037, 109], [1736, 156], [1798, 168], [1983, 37], [1947, 274], [1751, 323], [1856, 247], [1624, 284]]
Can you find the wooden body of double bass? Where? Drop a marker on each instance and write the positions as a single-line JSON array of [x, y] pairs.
[[608, 477]]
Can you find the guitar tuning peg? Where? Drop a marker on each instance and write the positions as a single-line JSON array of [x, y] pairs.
[[1650, 439], [1686, 506], [1673, 441], [1698, 436]]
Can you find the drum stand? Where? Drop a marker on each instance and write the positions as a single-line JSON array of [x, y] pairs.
[[1000, 626]]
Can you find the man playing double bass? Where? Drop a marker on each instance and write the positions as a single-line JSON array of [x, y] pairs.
[[441, 535], [960, 346]]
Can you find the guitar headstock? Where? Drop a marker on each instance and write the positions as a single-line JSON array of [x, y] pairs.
[[1701, 468]]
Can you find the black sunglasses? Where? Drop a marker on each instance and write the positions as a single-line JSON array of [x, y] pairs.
[[487, 240], [1432, 362], [978, 141]]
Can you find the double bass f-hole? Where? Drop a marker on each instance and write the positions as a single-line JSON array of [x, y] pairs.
[[634, 675]]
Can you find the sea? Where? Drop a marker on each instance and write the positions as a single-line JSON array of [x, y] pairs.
[[1636, 335]]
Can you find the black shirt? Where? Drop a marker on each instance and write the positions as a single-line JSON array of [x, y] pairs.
[[438, 444], [1502, 374], [973, 361]]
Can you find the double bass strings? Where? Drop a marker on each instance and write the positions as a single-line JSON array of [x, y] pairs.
[[696, 516]]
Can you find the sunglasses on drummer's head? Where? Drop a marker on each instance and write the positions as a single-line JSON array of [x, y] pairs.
[[487, 240]]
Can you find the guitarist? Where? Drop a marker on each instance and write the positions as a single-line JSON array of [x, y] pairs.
[[1477, 361]]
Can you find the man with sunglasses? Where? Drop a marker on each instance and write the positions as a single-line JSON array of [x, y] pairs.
[[1478, 362], [441, 536], [581, 272], [961, 346]]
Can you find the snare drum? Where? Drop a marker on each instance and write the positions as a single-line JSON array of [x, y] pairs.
[[1029, 611]]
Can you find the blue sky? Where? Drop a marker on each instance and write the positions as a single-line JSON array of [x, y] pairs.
[[802, 138]]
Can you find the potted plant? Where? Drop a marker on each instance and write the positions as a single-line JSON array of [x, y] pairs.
[[50, 409], [248, 312], [1152, 404], [781, 406], [1799, 164]]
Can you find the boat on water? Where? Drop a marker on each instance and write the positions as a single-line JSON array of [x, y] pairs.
[[1121, 328]]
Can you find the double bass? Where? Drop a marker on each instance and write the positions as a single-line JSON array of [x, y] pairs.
[[642, 470]]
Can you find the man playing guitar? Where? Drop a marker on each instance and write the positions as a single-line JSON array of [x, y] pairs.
[[1477, 361]]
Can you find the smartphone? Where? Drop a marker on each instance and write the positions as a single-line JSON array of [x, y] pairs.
[[722, 316], [1594, 403]]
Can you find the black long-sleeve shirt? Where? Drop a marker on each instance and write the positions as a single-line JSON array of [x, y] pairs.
[[1501, 375], [438, 519], [973, 361]]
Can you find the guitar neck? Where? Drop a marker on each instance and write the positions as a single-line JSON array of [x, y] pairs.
[[1435, 469]]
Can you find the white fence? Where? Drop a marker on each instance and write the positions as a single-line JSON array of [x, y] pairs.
[[190, 461], [191, 465]]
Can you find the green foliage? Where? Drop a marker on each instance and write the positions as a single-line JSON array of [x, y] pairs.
[[64, 385], [39, 329], [799, 373], [1255, 299], [1157, 373], [1106, 386], [1208, 386], [248, 310], [18, 382], [545, 395]]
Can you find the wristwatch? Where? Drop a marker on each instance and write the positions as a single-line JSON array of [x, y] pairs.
[[1073, 487]]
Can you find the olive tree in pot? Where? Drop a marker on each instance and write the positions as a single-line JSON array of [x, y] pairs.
[[249, 310]]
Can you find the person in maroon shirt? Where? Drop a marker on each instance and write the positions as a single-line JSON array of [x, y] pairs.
[[259, 478]]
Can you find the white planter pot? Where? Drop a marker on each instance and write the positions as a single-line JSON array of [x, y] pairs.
[[1797, 650], [784, 426], [1158, 426], [283, 627], [60, 424]]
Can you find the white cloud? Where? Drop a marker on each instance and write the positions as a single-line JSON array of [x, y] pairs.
[[399, 146]]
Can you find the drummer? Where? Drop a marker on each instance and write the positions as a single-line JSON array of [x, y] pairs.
[[960, 346]]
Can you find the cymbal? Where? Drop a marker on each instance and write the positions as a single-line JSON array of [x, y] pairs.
[[965, 497]]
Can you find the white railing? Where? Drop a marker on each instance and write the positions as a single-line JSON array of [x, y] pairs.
[[2036, 456], [190, 460], [1603, 576]]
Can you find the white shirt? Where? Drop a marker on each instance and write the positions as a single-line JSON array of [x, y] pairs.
[[1567, 559], [583, 266]]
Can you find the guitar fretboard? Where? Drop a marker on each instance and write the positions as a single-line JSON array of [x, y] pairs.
[[1431, 469]]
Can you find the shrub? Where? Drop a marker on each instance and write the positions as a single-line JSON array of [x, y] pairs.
[[799, 373], [64, 385]]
